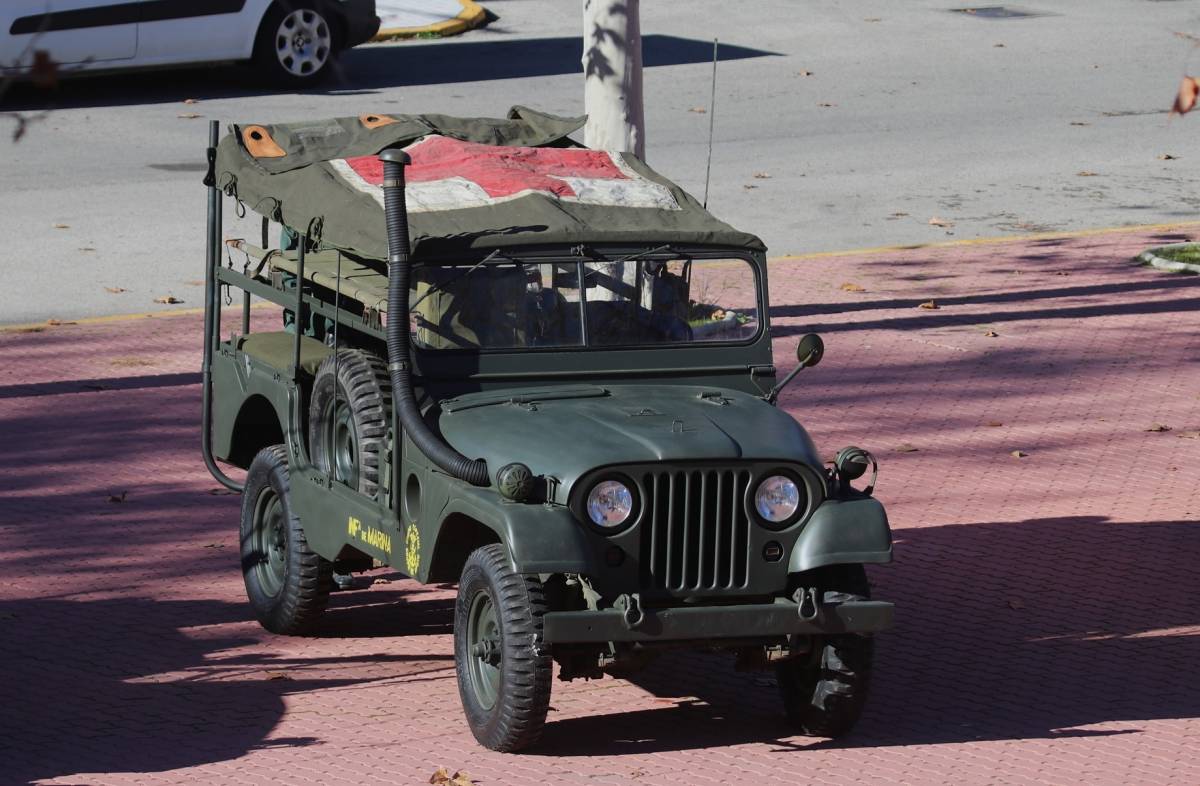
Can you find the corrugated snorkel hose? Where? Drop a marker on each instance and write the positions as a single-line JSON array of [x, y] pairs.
[[395, 213]]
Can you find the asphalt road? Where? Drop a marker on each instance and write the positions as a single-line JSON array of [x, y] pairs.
[[869, 118]]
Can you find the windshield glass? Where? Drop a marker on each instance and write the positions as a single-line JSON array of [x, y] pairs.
[[510, 304]]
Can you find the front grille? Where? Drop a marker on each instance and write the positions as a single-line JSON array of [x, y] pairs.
[[695, 535]]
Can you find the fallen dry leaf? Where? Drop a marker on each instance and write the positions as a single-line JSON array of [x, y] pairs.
[[1085, 173], [1016, 603], [993, 424], [763, 175], [1018, 454], [1167, 157], [1188, 435], [214, 545], [115, 290], [277, 675], [1062, 272], [58, 322], [62, 226], [940, 222], [1158, 427], [190, 101], [825, 104], [442, 777], [906, 448], [698, 110], [899, 215], [998, 46], [1185, 99], [929, 305], [991, 334], [804, 73], [383, 581], [167, 299], [1079, 123], [850, 286], [749, 186], [31, 330], [118, 497], [188, 115]]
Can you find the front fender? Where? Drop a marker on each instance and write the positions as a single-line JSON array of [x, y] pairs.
[[843, 532], [539, 538]]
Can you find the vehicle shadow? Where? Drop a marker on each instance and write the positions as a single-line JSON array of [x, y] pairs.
[[114, 685], [368, 70], [1036, 629]]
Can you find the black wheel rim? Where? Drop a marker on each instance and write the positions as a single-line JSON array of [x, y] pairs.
[[343, 443], [270, 542], [484, 653]]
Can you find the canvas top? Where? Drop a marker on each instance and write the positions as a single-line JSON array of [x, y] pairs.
[[474, 184]]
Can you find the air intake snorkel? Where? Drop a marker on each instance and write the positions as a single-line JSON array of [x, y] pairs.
[[395, 213]]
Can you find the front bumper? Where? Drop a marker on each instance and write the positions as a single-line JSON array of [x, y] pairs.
[[715, 622]]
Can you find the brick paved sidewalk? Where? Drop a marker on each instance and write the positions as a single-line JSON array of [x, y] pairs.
[[1048, 606]]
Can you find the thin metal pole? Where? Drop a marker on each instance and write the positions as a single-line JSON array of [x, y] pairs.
[[212, 313], [712, 118], [296, 323]]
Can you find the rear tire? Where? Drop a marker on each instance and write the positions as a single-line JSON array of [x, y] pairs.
[[503, 679], [824, 692], [287, 584], [348, 418], [297, 43]]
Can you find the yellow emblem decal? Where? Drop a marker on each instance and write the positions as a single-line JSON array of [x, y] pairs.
[[412, 550]]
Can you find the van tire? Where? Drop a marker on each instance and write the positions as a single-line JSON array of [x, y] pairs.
[[346, 437], [287, 584], [278, 66]]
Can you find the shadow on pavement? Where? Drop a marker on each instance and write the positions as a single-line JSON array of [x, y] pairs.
[[1025, 630], [370, 69], [115, 686]]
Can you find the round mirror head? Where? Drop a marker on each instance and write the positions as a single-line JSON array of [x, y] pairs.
[[810, 349]]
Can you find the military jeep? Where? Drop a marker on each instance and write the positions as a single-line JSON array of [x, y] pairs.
[[542, 372]]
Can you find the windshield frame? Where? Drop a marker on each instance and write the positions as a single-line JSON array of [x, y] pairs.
[[581, 256]]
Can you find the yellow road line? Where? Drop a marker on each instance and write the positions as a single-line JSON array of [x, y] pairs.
[[976, 241], [983, 241], [175, 312], [472, 15]]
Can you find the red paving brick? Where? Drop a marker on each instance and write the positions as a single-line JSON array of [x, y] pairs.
[[1048, 620]]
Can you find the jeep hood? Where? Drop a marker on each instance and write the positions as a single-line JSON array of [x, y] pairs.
[[568, 431]]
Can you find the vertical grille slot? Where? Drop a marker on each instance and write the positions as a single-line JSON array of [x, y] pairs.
[[696, 534]]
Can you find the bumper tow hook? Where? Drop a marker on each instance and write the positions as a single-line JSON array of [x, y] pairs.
[[807, 605], [631, 610]]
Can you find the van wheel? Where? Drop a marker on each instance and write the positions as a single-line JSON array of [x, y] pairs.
[[348, 418], [824, 693], [503, 677], [296, 43], [287, 584]]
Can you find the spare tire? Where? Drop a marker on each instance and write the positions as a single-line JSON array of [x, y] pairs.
[[348, 417]]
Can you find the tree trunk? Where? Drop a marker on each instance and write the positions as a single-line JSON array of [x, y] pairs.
[[612, 76]]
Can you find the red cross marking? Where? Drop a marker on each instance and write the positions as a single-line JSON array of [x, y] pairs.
[[499, 171]]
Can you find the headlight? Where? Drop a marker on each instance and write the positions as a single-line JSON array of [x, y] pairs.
[[609, 504], [777, 498]]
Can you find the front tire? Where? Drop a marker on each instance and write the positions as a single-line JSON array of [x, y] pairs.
[[503, 677], [287, 584], [824, 692], [297, 42]]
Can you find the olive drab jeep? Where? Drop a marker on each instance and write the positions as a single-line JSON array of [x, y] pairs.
[[540, 371]]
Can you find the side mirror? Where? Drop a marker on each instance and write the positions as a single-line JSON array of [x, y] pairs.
[[810, 350]]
